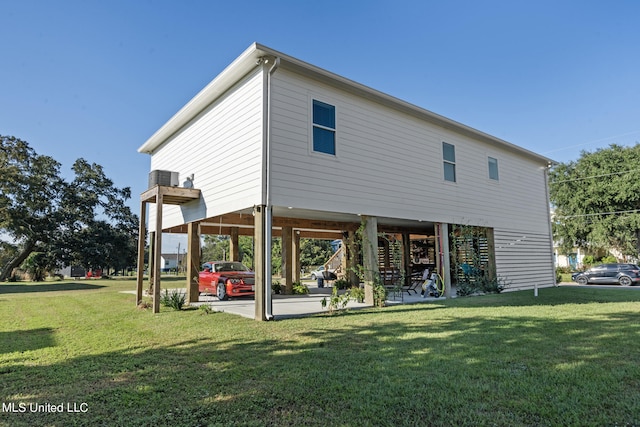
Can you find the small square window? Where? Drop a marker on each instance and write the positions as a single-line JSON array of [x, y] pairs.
[[493, 168], [324, 114], [449, 152], [324, 141], [449, 172]]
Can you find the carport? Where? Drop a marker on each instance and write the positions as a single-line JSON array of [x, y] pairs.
[[365, 240]]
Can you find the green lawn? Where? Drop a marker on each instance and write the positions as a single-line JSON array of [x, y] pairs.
[[569, 357]]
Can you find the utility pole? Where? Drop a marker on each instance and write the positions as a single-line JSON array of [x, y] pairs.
[[178, 259]]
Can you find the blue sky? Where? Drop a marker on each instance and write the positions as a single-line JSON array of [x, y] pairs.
[[95, 79]]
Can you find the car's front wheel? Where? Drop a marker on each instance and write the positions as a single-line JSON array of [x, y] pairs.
[[625, 280], [582, 280], [313, 277], [221, 292]]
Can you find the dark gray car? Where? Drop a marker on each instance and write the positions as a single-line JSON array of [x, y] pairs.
[[609, 274]]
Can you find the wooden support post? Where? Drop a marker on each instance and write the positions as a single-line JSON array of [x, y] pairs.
[[287, 259], [157, 255], [442, 247], [491, 247], [152, 262], [344, 261], [370, 256], [193, 261], [234, 248], [352, 256], [406, 257], [296, 256], [142, 234]]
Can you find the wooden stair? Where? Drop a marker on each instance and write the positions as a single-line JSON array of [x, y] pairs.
[[335, 262]]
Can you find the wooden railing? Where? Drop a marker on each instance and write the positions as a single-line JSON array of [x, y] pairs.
[[335, 262]]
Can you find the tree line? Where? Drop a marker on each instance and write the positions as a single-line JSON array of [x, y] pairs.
[[596, 202], [47, 222]]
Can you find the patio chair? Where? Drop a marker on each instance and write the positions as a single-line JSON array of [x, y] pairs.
[[416, 281], [390, 280]]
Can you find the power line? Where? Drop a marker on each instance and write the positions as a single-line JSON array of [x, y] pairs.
[[596, 176], [591, 142], [597, 213]]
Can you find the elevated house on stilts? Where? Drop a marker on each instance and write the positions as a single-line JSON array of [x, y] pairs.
[[276, 147]]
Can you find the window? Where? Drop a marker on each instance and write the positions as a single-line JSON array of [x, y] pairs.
[[493, 168], [449, 161], [324, 128]]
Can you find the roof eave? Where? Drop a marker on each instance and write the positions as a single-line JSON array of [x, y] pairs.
[[218, 86]]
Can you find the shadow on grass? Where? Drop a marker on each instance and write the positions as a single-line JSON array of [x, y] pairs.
[[353, 370], [551, 296], [26, 340], [47, 287]]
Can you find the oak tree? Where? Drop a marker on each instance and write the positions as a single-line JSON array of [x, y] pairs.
[[84, 221]]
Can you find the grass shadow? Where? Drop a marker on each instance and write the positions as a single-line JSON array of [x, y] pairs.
[[474, 370], [47, 287], [26, 340], [487, 364], [550, 296]]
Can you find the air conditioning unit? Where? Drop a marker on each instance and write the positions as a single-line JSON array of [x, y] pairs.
[[164, 178]]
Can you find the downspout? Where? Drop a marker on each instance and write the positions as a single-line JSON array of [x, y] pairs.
[[268, 214], [546, 192]]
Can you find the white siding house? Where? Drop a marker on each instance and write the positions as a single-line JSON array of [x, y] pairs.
[[171, 261], [274, 131]]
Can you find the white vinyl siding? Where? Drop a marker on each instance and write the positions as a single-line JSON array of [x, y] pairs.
[[223, 149], [390, 165], [523, 259]]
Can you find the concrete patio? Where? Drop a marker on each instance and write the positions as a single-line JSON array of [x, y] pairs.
[[287, 306]]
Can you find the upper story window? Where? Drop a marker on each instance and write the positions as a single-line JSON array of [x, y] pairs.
[[493, 168], [449, 161], [324, 127]]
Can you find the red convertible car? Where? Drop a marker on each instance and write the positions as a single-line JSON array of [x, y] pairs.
[[226, 279]]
